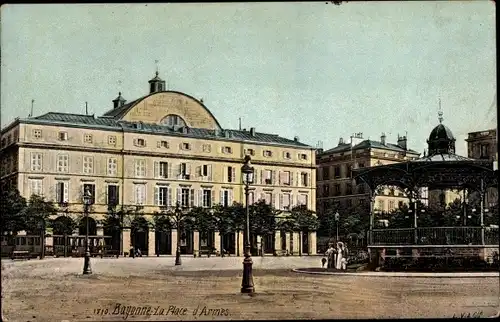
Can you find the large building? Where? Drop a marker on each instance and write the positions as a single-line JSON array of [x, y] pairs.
[[163, 148], [335, 184]]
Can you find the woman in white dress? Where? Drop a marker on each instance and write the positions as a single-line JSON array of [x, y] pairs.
[[341, 254]]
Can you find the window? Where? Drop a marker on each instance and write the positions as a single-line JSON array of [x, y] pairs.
[[326, 173], [112, 166], [37, 133], [185, 196], [206, 172], [140, 142], [304, 179], [285, 178], [185, 146], [348, 188], [336, 190], [140, 194], [226, 197], [484, 151], [392, 205], [400, 204], [90, 187], [250, 152], [113, 195], [231, 174], [62, 163], [88, 164], [326, 190], [302, 199], [161, 170], [36, 162], [112, 140], [302, 156], [268, 153], [163, 144], [36, 187], [88, 138], [287, 155], [268, 198], [184, 171], [206, 148], [63, 136], [381, 205], [227, 150], [163, 196], [336, 172], [174, 120], [140, 168], [206, 198], [286, 201], [267, 176]]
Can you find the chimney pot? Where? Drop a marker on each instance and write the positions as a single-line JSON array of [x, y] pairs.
[[252, 131], [296, 138]]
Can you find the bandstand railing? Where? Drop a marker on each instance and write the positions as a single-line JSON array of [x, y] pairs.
[[435, 236]]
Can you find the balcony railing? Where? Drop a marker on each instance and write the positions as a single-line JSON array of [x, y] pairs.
[[435, 236]]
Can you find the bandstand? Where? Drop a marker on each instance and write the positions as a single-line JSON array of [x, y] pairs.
[[442, 170]]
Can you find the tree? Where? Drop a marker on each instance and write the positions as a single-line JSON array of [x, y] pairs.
[[180, 219], [303, 220], [237, 221], [36, 213], [204, 222], [12, 210], [263, 219]]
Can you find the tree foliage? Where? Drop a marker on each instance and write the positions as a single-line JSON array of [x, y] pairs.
[[12, 210]]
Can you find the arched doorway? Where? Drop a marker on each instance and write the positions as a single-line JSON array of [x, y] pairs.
[[229, 242], [62, 227], [112, 228], [82, 227], [305, 242], [139, 234], [269, 243], [187, 241], [163, 236], [207, 240]]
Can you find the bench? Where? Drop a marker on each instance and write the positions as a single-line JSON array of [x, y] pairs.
[[206, 250], [110, 253], [21, 254]]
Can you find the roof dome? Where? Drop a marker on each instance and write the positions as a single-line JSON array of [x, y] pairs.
[[441, 140]]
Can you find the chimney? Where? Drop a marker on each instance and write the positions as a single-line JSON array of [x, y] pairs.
[[296, 138], [319, 151], [382, 138], [402, 142], [341, 141], [252, 131]]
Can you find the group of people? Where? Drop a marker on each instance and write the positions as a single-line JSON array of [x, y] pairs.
[[336, 257]]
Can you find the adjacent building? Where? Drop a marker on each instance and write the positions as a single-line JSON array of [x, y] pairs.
[[335, 184], [149, 154]]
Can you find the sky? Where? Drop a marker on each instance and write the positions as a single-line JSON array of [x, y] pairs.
[[313, 70]]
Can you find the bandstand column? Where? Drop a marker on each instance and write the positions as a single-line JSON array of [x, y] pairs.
[[415, 212], [482, 211], [152, 242], [372, 215]]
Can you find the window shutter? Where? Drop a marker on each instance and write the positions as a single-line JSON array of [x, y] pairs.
[[92, 191], [157, 195], [199, 171], [297, 181], [66, 192], [281, 201], [307, 180], [230, 197], [117, 195], [200, 198], [158, 144], [212, 195], [157, 169], [179, 195], [210, 172], [180, 171], [169, 170], [255, 176], [135, 141], [221, 197], [261, 176], [58, 192], [280, 176], [169, 198], [188, 168], [233, 174], [274, 180], [191, 196]]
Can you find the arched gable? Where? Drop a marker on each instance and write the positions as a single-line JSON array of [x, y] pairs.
[[155, 107]]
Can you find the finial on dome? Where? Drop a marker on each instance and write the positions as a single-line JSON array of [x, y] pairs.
[[119, 93], [440, 113]]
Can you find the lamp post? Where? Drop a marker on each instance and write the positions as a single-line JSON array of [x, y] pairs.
[[337, 217], [87, 200], [247, 283]]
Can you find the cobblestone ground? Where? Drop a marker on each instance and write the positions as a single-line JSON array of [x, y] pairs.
[[209, 289]]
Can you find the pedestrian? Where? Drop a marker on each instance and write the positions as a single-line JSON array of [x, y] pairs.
[[330, 255], [323, 262], [341, 262]]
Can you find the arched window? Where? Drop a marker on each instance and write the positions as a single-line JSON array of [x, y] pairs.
[[174, 120]]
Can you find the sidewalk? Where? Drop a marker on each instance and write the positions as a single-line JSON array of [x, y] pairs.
[[403, 274]]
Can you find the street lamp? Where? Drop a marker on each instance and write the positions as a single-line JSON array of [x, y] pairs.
[[247, 283], [337, 217], [87, 200]]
